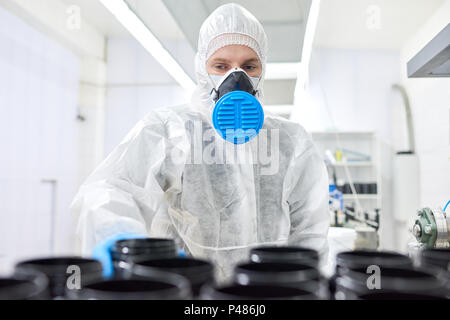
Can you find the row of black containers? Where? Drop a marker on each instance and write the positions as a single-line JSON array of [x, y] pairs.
[[151, 269]]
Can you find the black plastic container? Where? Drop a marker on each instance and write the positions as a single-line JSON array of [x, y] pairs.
[[148, 248], [285, 254], [197, 272], [352, 284], [439, 258], [363, 258], [296, 275], [24, 287], [57, 270], [157, 286], [255, 292]]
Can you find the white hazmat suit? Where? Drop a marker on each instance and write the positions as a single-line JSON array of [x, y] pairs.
[[155, 184]]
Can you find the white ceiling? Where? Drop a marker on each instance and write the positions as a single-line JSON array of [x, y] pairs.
[[153, 12], [95, 14], [284, 22], [343, 23], [266, 10], [158, 18], [181, 19]]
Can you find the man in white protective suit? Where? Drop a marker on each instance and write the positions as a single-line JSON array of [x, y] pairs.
[[168, 177]]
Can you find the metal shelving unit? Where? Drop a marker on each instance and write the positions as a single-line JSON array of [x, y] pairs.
[[365, 171]]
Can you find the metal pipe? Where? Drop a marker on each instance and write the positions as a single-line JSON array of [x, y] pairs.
[[409, 122]]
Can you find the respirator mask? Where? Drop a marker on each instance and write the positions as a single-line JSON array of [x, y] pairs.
[[238, 115]]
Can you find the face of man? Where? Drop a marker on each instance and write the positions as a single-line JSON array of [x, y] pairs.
[[234, 56]]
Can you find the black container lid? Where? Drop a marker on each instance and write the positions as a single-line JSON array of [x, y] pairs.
[[146, 243], [58, 266], [364, 258], [436, 257], [275, 272], [393, 279], [284, 254], [195, 270], [24, 287], [144, 246], [158, 286]]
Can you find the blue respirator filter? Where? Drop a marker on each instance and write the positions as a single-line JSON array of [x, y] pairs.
[[238, 117]]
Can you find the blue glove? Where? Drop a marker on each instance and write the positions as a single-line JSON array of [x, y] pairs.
[[102, 251], [181, 253]]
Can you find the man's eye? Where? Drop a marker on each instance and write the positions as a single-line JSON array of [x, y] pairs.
[[249, 67], [220, 67]]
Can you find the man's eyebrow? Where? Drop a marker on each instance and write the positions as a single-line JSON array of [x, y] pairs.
[[252, 60], [223, 60], [215, 60]]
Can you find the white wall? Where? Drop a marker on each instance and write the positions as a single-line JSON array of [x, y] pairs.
[[351, 90], [430, 103], [38, 136], [91, 105], [54, 19], [136, 84], [55, 71], [51, 17], [354, 86]]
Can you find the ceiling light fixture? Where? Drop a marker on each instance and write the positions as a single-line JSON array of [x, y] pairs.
[[310, 32], [145, 37]]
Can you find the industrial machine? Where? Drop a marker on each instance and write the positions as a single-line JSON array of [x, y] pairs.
[[432, 228]]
